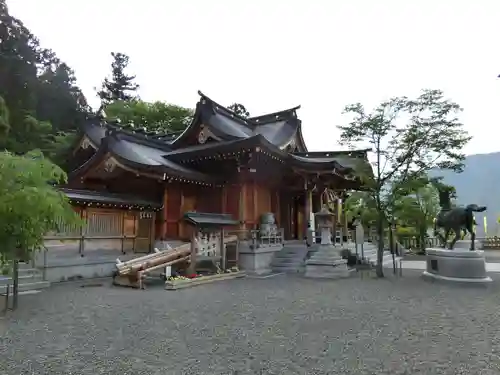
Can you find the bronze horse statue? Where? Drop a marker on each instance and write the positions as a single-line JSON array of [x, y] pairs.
[[456, 219]]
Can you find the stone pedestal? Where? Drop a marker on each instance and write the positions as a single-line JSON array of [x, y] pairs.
[[327, 263], [257, 260], [458, 265]]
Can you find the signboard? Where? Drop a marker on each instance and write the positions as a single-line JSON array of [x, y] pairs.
[[145, 215], [360, 234]]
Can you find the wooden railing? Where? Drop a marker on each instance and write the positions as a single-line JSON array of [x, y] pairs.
[[126, 230]]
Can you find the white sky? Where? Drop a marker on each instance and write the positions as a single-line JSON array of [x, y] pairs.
[[274, 54]]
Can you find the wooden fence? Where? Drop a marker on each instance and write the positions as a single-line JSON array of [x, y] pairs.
[[128, 231]]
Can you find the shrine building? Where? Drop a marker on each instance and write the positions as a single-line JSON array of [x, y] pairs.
[[135, 186]]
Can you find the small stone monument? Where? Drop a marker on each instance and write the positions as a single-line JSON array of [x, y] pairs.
[[326, 262]]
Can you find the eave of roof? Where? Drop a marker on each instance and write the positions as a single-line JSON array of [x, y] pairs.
[[256, 143], [353, 160], [204, 219], [109, 199]]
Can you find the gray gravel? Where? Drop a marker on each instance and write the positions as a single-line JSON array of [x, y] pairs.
[[280, 325]]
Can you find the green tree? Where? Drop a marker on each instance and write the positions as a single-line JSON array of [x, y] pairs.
[[156, 116], [239, 109], [30, 206], [4, 119], [119, 86], [418, 208], [409, 137], [60, 101], [360, 205]]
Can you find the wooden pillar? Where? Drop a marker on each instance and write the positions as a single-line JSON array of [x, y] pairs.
[[180, 224], [242, 207], [278, 209], [192, 264], [136, 221], [224, 199], [223, 252], [256, 213], [152, 233], [335, 223], [345, 220], [123, 232], [83, 216], [164, 216]]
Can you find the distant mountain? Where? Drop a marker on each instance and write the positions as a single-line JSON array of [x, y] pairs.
[[479, 183]]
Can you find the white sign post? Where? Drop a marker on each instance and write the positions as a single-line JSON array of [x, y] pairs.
[[360, 238]]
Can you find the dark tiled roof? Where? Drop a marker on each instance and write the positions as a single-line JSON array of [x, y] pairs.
[[277, 128], [157, 153]]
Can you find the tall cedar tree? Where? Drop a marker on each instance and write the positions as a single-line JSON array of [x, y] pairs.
[[39, 92], [409, 137], [120, 85]]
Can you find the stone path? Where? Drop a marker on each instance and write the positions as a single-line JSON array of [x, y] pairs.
[[279, 325]]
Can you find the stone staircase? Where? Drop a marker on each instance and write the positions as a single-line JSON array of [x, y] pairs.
[[370, 253], [30, 281], [291, 258]]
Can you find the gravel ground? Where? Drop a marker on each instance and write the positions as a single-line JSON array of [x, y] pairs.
[[280, 325]]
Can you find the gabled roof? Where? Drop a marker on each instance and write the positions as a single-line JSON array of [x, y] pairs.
[[278, 128], [134, 151]]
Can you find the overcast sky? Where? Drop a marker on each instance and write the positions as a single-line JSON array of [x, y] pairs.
[[275, 54]]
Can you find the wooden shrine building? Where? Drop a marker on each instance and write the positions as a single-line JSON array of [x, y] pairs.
[[137, 184]]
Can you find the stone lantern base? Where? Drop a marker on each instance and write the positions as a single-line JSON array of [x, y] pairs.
[[326, 263]]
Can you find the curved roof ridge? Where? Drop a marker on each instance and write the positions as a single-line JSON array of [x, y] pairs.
[[234, 115], [259, 120]]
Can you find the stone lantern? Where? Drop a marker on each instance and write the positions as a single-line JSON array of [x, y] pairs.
[[324, 220], [326, 262]]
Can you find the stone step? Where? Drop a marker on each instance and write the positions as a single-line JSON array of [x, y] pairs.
[[290, 258], [324, 260], [290, 255], [279, 262], [36, 285], [26, 292], [286, 265], [23, 278], [327, 272], [287, 269]]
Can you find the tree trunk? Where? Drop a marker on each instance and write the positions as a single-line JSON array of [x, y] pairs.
[[15, 279], [423, 233], [380, 248]]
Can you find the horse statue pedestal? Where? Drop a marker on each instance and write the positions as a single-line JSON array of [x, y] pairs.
[[460, 265]]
